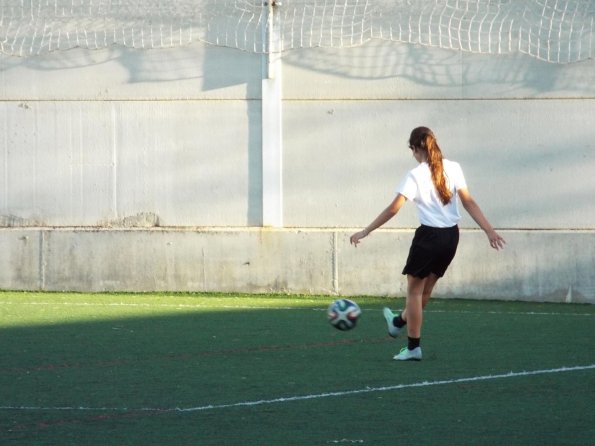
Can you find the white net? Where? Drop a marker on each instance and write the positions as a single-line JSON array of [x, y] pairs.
[[559, 31]]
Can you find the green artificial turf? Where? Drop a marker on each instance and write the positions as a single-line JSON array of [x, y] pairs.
[[197, 369]]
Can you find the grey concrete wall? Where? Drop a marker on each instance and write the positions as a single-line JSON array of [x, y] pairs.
[[551, 266], [141, 170], [118, 137]]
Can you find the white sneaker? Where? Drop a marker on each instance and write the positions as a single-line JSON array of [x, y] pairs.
[[408, 355], [390, 316]]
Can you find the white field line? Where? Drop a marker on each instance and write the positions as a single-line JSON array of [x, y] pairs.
[[251, 307], [314, 396], [148, 305]]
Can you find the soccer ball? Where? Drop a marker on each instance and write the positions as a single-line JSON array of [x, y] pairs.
[[343, 314]]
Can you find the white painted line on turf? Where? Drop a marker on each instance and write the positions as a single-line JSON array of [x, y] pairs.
[[523, 313], [265, 307], [314, 396], [146, 305], [385, 388]]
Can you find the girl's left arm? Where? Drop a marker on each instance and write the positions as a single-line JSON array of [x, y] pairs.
[[475, 212]]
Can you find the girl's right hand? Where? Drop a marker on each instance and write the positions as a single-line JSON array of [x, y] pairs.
[[355, 238]]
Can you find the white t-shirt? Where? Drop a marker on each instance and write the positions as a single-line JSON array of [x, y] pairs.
[[418, 187]]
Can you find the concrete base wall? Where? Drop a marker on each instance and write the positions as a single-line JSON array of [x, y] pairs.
[[554, 266]]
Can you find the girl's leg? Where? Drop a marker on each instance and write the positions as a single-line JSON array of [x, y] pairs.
[[428, 288], [419, 292], [413, 288], [413, 312]]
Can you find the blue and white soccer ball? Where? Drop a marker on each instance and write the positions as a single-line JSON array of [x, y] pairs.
[[343, 314]]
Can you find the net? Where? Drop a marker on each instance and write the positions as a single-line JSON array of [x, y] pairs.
[[559, 31]]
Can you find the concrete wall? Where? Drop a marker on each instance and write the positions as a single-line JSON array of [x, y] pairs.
[[141, 170]]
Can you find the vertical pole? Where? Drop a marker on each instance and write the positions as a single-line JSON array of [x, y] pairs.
[[272, 161]]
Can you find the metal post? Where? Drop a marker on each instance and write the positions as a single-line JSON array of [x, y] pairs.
[[272, 160]]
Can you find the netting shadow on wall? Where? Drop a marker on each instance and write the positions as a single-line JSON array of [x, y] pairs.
[[558, 31]]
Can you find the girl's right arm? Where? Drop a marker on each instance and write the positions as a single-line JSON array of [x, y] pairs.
[[388, 213]]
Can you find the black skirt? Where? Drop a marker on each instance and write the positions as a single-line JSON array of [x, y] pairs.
[[432, 250]]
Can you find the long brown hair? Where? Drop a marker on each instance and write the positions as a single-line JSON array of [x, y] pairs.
[[422, 138]]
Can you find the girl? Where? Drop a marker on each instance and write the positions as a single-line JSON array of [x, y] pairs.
[[432, 186]]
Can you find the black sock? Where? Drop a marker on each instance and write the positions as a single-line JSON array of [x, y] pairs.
[[399, 322], [412, 343]]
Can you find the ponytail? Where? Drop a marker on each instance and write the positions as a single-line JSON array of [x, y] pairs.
[[423, 138]]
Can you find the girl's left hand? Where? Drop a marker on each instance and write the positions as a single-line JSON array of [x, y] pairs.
[[496, 241]]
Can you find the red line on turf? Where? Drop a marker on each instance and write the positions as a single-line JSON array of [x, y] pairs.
[[120, 362]]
